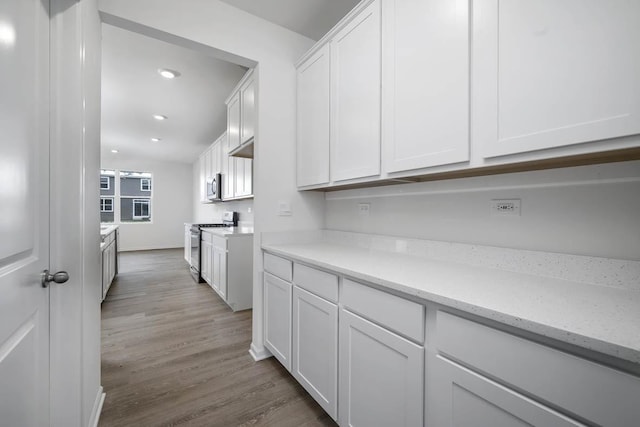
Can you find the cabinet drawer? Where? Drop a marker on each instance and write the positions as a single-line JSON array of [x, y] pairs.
[[398, 314], [318, 282], [280, 267], [592, 391]]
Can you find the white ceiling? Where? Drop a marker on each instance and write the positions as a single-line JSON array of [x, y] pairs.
[[132, 91], [312, 18]]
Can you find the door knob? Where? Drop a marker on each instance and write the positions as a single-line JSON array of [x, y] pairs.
[[59, 277]]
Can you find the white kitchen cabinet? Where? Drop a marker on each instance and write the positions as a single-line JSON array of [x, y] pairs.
[[243, 186], [202, 177], [228, 171], [233, 121], [206, 264], [247, 110], [277, 318], [219, 266], [229, 262], [467, 399], [483, 376], [355, 97], [552, 73], [237, 180], [315, 348], [425, 66], [187, 243], [313, 112], [109, 260], [381, 376]]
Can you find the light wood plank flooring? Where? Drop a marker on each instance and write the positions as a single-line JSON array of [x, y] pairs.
[[173, 353]]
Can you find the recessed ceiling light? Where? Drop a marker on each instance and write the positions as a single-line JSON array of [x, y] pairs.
[[156, 139], [114, 151], [168, 74], [159, 117]]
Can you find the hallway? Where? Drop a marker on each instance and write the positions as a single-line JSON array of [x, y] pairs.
[[173, 353]]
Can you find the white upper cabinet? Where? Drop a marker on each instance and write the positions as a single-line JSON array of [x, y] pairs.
[[243, 177], [313, 119], [247, 111], [425, 66], [233, 121], [355, 97], [552, 73]]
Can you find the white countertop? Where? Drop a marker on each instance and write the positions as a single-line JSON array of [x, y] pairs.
[[600, 318], [228, 231]]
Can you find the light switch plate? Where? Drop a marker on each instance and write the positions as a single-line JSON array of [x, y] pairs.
[[284, 209]]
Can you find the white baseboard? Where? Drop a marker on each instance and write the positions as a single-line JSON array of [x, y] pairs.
[[97, 408], [259, 354]]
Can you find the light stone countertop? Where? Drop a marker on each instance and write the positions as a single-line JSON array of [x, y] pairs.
[[595, 317], [228, 231]]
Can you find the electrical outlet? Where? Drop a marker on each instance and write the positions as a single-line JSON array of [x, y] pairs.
[[364, 209], [506, 207]]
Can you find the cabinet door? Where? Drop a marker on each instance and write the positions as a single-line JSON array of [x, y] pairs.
[[355, 97], [233, 121], [313, 110], [219, 257], [381, 376], [426, 83], [205, 262], [467, 399], [202, 166], [277, 318], [228, 171], [243, 177], [248, 109], [552, 73], [315, 348]]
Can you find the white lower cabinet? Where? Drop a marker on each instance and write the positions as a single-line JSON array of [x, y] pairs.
[[226, 266], [315, 348], [381, 376], [206, 270], [481, 376], [219, 266], [277, 318], [406, 363], [467, 399]]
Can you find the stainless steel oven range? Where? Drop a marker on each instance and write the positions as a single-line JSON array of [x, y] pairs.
[[229, 219]]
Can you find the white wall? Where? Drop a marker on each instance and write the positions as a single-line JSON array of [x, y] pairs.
[[172, 205], [227, 30], [587, 210]]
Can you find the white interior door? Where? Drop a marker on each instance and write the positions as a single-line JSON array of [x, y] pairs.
[[24, 212]]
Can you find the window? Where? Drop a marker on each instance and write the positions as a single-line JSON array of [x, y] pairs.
[[106, 204], [104, 182], [140, 208], [134, 196]]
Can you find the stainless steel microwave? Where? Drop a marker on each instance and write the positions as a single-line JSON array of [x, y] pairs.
[[214, 188]]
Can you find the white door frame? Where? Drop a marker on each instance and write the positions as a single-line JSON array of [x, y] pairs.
[[76, 394]]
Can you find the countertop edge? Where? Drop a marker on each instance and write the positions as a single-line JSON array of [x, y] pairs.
[[583, 341]]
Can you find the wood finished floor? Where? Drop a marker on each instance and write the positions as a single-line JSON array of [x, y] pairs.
[[174, 354]]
